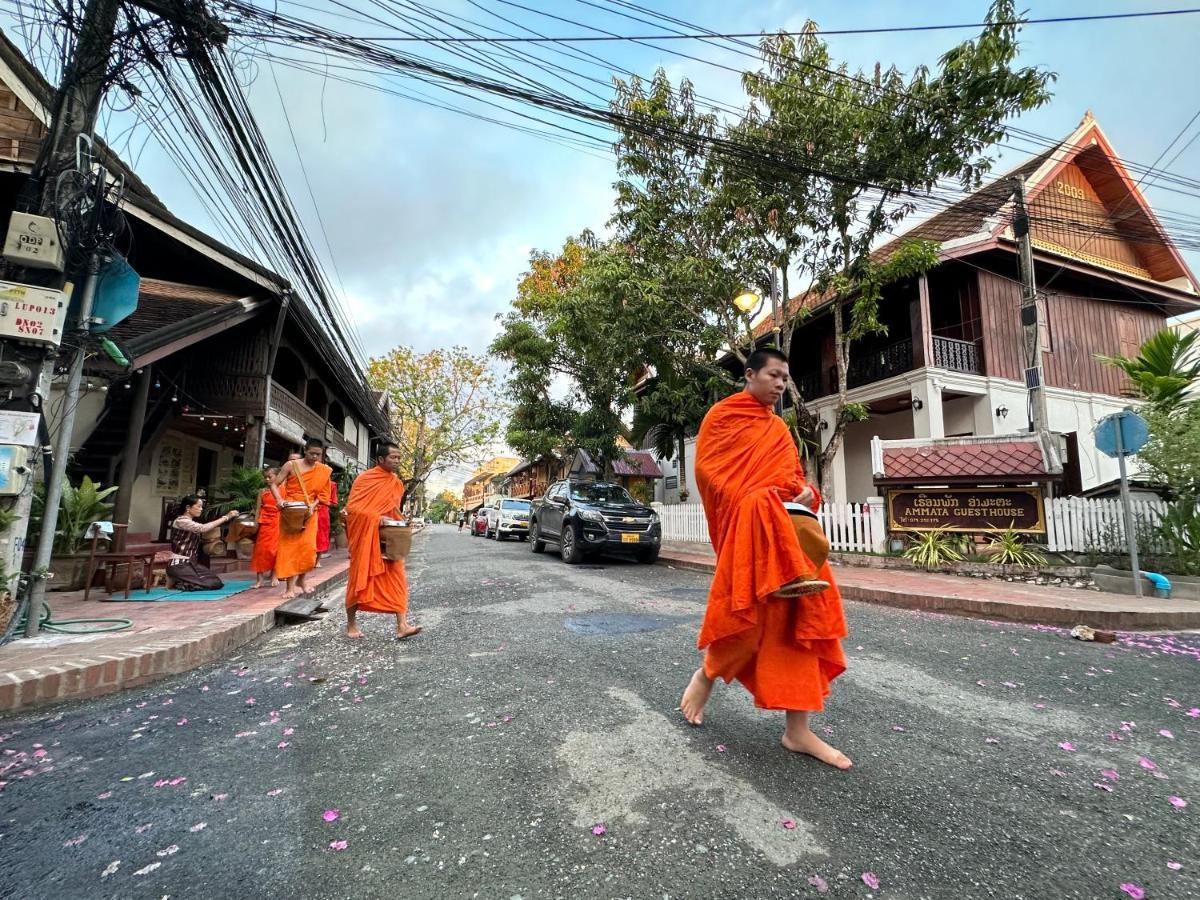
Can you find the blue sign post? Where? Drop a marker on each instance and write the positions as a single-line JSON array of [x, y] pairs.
[[1119, 435]]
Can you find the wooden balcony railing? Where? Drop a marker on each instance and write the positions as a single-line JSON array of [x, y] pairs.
[[288, 404], [809, 385], [956, 355]]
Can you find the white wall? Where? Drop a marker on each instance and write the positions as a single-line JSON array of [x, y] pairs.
[[87, 411], [149, 490], [959, 415], [856, 447]]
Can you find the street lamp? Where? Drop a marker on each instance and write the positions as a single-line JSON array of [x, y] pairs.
[[746, 301]]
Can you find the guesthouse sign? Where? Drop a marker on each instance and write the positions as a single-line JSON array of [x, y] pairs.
[[967, 509]]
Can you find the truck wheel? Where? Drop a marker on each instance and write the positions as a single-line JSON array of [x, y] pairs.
[[572, 553], [536, 544]]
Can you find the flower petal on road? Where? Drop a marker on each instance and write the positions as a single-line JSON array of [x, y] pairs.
[[331, 815], [870, 880], [1177, 802], [1067, 745], [1135, 891], [599, 829], [337, 845]]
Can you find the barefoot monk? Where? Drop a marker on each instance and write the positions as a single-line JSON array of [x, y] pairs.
[[300, 481], [774, 619], [375, 584]]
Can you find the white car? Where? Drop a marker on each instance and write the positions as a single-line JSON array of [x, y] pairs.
[[507, 517]]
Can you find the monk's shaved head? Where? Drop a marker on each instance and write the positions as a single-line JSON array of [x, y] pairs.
[[767, 375]]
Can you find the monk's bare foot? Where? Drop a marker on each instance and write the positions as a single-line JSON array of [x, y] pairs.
[[353, 632], [695, 695], [274, 582], [407, 631], [807, 742], [290, 595]]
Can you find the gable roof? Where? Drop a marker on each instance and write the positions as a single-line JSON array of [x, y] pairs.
[[984, 216], [1018, 459]]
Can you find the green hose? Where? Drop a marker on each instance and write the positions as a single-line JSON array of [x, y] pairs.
[[48, 624]]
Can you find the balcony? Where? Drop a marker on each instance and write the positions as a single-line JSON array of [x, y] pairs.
[[869, 366], [956, 355], [809, 385], [295, 420]]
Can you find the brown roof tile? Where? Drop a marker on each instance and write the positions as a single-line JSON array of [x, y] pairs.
[[637, 462], [163, 303], [1010, 459]]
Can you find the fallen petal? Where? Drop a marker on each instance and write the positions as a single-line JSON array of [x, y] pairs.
[[1177, 802], [1110, 774], [599, 829], [1103, 786], [337, 845], [275, 792], [819, 883], [1174, 866], [331, 815], [721, 748], [1147, 763], [788, 824], [870, 880], [1133, 890], [199, 826], [1067, 745], [1166, 733], [148, 869]]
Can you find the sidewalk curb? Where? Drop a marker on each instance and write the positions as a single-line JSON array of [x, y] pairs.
[[1038, 614], [100, 674]]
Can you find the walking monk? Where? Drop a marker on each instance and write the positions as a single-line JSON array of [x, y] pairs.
[[266, 542], [784, 648], [375, 584], [305, 480]]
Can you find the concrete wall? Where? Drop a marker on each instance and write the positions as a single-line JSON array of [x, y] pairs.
[[162, 480], [856, 448], [87, 412]]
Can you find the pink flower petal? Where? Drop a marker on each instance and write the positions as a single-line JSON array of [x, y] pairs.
[[250, 701], [991, 740], [1133, 890], [331, 815], [721, 748], [1163, 732], [1177, 802], [281, 745], [819, 883], [1174, 866], [288, 731], [199, 826], [599, 829], [219, 797], [788, 824], [1103, 786], [897, 728], [181, 722], [870, 880], [337, 845], [1067, 745], [274, 792], [1194, 712], [1147, 763], [104, 796]]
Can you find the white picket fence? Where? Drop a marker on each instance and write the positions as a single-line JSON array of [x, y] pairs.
[[850, 527], [1075, 524]]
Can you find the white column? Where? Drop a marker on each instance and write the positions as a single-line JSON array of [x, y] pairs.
[[878, 519], [927, 421]]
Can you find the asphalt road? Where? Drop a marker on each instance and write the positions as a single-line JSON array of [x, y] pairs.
[[481, 758]]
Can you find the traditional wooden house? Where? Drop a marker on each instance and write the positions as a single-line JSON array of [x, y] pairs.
[[228, 367], [528, 479], [634, 470], [951, 364]]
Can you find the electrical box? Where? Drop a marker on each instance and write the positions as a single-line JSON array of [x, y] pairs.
[[33, 241], [13, 470], [32, 315]]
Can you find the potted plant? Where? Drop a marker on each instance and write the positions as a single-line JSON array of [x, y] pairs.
[[337, 517], [240, 491], [79, 508]]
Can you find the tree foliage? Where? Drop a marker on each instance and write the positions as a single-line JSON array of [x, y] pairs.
[[838, 159], [574, 338], [445, 405]]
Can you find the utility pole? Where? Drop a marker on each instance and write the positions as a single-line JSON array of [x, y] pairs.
[[77, 106], [1031, 325], [776, 327]]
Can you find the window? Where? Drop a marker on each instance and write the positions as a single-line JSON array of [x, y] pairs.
[[515, 504], [600, 493]]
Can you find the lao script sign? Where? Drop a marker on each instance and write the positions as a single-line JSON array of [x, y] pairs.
[[967, 509]]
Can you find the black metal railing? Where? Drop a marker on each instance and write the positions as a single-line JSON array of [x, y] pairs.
[[869, 366], [956, 355]]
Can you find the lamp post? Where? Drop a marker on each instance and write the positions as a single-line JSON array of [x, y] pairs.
[[748, 301]]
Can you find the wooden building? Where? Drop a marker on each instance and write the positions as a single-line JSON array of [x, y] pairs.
[[228, 367], [952, 361]]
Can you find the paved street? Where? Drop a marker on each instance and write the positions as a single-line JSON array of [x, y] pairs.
[[480, 758]]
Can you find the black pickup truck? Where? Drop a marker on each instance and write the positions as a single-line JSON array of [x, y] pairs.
[[585, 517]]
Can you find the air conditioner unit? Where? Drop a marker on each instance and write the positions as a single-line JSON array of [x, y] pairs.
[[32, 315], [33, 241]]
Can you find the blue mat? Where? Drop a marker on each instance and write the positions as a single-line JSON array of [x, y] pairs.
[[164, 595]]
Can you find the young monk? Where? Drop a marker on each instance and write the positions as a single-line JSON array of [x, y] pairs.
[[784, 649], [305, 480], [266, 542], [375, 584]]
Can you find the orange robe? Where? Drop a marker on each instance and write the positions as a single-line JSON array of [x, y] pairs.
[[375, 584], [785, 652], [266, 542], [297, 553]]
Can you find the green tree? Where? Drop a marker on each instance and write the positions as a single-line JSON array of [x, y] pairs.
[[445, 405], [825, 163], [574, 338], [1165, 369]]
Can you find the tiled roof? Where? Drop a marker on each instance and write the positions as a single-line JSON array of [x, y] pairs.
[[163, 303], [1008, 460], [637, 462]]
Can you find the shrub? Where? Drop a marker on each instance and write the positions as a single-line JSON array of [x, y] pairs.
[[1007, 548], [935, 548]]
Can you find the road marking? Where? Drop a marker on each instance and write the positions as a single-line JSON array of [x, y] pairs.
[[623, 769]]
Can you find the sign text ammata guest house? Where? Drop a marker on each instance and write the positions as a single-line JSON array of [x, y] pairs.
[[965, 484]]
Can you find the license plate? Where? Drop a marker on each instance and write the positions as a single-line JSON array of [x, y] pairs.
[[628, 538]]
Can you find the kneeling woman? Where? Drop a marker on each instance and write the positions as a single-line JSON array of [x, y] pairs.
[[187, 533]]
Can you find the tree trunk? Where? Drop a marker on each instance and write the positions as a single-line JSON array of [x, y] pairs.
[[683, 462], [829, 454]]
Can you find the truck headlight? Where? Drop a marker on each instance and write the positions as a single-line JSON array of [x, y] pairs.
[[591, 515]]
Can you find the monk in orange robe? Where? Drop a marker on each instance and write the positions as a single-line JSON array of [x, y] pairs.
[[266, 542], [375, 584], [761, 625], [305, 480]]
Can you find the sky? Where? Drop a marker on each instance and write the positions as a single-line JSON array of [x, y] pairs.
[[430, 216]]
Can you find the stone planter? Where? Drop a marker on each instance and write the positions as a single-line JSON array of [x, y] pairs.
[[871, 561], [1120, 581]]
